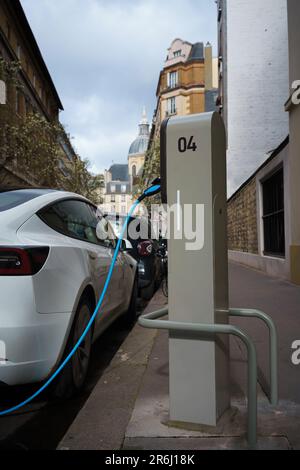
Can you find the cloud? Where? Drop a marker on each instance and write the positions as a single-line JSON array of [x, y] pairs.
[[105, 58]]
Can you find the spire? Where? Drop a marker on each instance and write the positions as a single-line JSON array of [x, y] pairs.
[[144, 124], [144, 116]]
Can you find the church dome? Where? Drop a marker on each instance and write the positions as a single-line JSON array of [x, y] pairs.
[[140, 144]]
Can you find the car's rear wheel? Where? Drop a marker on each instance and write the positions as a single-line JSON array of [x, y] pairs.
[[148, 292], [72, 378]]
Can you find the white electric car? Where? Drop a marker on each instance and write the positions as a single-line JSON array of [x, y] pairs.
[[53, 265]]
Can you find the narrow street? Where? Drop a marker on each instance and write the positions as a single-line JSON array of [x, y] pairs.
[[42, 424]]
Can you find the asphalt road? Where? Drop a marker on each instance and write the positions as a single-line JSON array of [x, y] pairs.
[[42, 424]]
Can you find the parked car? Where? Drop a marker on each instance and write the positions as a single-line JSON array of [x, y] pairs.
[[163, 255], [52, 271], [144, 250]]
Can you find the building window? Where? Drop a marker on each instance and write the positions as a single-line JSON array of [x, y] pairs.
[[26, 66], [219, 14], [113, 188], [113, 209], [66, 150], [19, 51], [27, 106], [123, 198], [8, 31], [2, 92], [123, 210], [177, 53], [113, 198], [18, 102], [273, 214], [63, 168], [171, 105], [134, 171], [173, 79]]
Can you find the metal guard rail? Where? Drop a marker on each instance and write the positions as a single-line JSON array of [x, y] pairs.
[[152, 320]]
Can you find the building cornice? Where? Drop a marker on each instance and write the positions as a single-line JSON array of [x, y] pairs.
[[183, 87], [274, 154]]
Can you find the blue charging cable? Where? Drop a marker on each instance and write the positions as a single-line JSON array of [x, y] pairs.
[[154, 189]]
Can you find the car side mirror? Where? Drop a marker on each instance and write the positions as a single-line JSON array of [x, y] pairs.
[[126, 245]]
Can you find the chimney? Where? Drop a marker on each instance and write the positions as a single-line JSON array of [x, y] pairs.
[[208, 63]]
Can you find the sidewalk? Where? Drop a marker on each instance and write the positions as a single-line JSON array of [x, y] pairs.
[[128, 408]]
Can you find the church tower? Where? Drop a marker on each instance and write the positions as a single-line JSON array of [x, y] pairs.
[[138, 148]]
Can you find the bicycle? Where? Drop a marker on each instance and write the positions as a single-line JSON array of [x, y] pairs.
[[163, 254]]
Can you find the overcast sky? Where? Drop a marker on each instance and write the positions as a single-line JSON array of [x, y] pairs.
[[105, 57]]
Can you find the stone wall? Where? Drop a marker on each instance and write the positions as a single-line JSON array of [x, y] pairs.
[[242, 220]]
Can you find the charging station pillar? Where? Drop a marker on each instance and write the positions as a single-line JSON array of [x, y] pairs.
[[193, 170]]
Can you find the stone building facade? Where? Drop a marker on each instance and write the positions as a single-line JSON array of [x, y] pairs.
[[117, 190], [35, 91], [186, 83], [17, 43]]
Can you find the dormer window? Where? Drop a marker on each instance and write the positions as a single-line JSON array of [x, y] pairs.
[[113, 188], [177, 53]]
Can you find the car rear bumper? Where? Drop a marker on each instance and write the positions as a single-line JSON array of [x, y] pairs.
[[31, 343], [32, 351]]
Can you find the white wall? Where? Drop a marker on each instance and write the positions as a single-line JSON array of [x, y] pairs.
[[258, 83]]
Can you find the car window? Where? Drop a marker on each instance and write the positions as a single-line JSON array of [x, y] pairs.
[[104, 230], [76, 219], [11, 199]]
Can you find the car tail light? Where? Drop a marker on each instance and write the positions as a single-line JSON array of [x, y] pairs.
[[145, 248], [22, 261]]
